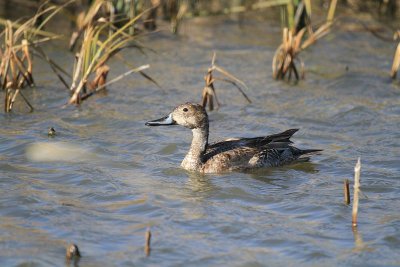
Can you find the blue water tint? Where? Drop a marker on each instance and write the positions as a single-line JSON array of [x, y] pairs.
[[124, 177]]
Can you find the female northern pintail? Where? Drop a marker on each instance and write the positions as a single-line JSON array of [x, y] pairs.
[[231, 154]]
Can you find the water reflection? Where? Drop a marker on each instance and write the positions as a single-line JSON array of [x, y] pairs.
[[359, 245], [308, 167], [200, 183]]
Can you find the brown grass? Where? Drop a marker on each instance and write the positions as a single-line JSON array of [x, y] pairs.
[[87, 18], [16, 67], [96, 49], [286, 58]]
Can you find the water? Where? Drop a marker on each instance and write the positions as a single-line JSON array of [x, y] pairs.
[[108, 177]]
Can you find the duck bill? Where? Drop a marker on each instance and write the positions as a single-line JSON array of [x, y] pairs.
[[165, 121]]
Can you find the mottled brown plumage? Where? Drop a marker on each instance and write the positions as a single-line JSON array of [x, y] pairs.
[[232, 154]]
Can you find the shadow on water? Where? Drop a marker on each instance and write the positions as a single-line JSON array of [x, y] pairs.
[[269, 174]]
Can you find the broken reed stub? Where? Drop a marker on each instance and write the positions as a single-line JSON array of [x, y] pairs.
[[147, 247], [357, 170], [51, 132], [72, 252], [346, 190]]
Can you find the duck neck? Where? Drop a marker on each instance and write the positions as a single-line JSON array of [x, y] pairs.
[[193, 159]]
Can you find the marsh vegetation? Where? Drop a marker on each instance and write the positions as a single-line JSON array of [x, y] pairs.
[[103, 28]]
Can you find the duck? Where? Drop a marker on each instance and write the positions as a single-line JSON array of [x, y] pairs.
[[234, 154]]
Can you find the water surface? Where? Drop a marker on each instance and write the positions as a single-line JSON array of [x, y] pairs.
[[108, 177]]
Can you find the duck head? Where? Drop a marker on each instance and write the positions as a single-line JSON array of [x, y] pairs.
[[189, 115]]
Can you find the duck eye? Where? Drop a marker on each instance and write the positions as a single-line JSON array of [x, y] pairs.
[[185, 110]]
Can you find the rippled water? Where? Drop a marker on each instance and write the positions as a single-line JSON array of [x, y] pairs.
[[107, 177]]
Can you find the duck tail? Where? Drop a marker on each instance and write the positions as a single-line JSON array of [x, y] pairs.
[[283, 136], [301, 152]]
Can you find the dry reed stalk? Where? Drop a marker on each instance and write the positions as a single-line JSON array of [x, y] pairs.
[[209, 92], [269, 3], [72, 251], [132, 14], [55, 68], [147, 247], [16, 67], [27, 56], [209, 89], [396, 58], [287, 54], [176, 21], [101, 77], [346, 189], [173, 10], [94, 54], [72, 254], [52, 132], [14, 73], [85, 19], [140, 69], [150, 21], [357, 170], [103, 86]]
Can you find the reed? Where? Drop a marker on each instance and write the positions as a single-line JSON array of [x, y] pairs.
[[177, 17], [88, 17], [52, 132], [150, 20], [176, 10], [102, 86], [396, 57], [58, 70], [16, 66], [293, 42], [72, 253], [96, 49], [357, 170], [346, 190], [147, 247], [286, 55], [209, 92]]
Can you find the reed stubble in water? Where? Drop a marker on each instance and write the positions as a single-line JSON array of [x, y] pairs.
[[147, 247], [396, 58], [346, 190], [51, 132], [357, 170], [72, 254]]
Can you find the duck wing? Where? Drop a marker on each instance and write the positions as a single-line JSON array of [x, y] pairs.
[[278, 156], [250, 145]]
